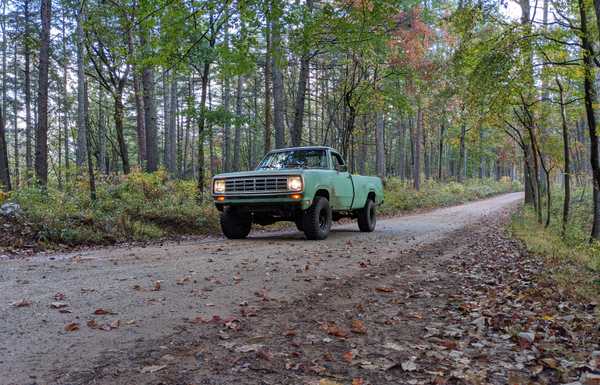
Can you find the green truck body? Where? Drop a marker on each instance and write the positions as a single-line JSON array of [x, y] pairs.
[[288, 184]]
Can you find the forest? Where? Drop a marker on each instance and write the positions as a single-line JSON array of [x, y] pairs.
[[99, 93]]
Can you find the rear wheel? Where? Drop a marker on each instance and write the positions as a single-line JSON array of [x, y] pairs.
[[235, 223], [317, 219], [367, 218]]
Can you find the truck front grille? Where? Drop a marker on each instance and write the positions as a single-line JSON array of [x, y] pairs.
[[250, 185]]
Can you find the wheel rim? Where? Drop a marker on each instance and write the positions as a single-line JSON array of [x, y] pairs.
[[323, 220]]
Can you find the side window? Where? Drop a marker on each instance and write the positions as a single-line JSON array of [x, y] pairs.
[[337, 160]]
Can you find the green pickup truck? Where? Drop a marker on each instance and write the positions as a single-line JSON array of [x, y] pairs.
[[310, 186]]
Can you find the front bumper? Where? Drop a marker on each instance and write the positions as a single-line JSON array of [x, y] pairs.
[[263, 201]]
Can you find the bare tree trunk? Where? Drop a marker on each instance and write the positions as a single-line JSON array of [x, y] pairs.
[[4, 170], [277, 58], [41, 139], [150, 120], [441, 150], [88, 150], [268, 75], [417, 152], [379, 145], [362, 155], [171, 145], [101, 132], [118, 96], [27, 75], [140, 124], [237, 137], [80, 153], [201, 124], [462, 152], [567, 161], [17, 173]]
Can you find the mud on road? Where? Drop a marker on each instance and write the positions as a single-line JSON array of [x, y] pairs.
[[397, 305]]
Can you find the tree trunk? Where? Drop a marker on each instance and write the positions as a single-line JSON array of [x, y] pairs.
[[462, 152], [171, 144], [118, 96], [417, 151], [237, 138], [590, 102], [379, 145], [268, 75], [441, 151], [80, 153], [4, 170], [150, 120], [140, 124], [41, 138], [201, 124], [27, 76], [88, 150], [17, 172], [567, 161], [277, 59], [101, 132]]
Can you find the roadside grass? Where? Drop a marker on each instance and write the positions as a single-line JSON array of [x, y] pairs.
[[574, 262], [142, 207]]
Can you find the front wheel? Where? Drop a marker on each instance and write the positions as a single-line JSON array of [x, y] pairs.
[[317, 219], [367, 217], [235, 224]]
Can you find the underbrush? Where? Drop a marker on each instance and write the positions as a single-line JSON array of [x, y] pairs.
[[134, 207], [574, 262], [144, 206], [401, 197]]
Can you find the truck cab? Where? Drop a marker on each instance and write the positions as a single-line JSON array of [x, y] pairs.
[[310, 186]]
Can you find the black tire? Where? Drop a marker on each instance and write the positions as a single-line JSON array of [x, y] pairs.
[[235, 224], [367, 217], [317, 219], [299, 223]]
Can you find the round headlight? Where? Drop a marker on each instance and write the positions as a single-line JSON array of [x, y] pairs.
[[219, 186], [294, 183]]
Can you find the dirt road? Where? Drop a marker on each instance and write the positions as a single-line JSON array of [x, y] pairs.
[[79, 310]]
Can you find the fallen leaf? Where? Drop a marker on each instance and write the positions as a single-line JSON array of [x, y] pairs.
[[59, 296], [103, 312], [358, 327], [71, 327], [325, 381], [358, 381], [347, 357], [334, 330], [58, 305], [408, 366], [384, 289], [92, 324], [21, 303], [181, 281], [153, 368], [156, 286]]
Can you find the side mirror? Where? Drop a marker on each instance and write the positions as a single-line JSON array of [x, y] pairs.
[[341, 168]]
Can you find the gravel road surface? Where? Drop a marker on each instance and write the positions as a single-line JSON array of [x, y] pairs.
[[64, 313]]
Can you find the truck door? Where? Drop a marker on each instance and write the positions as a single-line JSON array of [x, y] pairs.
[[342, 188]]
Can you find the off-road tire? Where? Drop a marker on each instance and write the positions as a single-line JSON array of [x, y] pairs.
[[367, 217], [317, 219], [300, 223], [235, 224]]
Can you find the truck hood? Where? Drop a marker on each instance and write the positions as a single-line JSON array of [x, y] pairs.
[[265, 172]]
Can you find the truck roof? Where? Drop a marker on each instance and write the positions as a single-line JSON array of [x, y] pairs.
[[304, 148]]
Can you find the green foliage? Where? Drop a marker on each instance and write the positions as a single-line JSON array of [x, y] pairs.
[[137, 207], [400, 196]]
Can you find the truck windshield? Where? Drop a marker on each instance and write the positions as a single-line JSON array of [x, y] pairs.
[[309, 158]]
